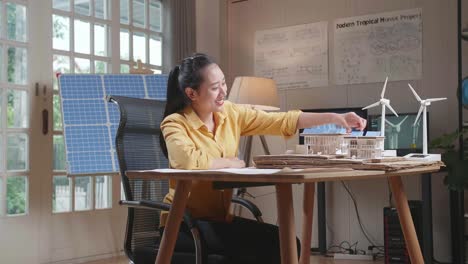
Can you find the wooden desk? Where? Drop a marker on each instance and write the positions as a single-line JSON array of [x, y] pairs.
[[283, 181]]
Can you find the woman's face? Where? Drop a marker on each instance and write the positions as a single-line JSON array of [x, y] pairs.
[[210, 95]]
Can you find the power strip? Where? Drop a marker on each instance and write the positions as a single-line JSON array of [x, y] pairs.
[[354, 256]]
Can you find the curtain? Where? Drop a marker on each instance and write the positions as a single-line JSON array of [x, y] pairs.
[[180, 25]]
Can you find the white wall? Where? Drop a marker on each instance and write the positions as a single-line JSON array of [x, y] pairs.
[[225, 29]]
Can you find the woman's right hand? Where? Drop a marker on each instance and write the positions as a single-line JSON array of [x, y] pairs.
[[222, 163], [350, 120], [236, 163]]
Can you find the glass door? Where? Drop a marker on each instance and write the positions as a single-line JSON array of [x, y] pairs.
[[48, 215]]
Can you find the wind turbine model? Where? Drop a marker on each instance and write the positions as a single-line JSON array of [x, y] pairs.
[[396, 128], [423, 109], [415, 133], [385, 103]]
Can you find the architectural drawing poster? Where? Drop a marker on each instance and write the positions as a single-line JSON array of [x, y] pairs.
[[369, 48], [295, 57]]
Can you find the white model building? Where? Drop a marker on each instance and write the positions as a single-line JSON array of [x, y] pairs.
[[364, 147], [324, 144], [356, 147]]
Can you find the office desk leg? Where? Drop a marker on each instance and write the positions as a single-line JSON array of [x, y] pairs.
[[174, 219], [307, 211], [407, 225], [287, 230], [321, 218], [427, 240]]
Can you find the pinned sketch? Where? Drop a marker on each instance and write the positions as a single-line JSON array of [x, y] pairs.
[[295, 56], [368, 48]]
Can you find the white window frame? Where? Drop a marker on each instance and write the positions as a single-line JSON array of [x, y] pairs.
[[146, 30], [5, 131]]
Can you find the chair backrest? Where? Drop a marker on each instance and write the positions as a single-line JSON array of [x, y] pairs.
[[137, 145]]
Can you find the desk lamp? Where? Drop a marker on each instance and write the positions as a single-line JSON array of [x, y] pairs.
[[258, 93]]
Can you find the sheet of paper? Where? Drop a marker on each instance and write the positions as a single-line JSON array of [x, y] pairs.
[[249, 171], [369, 48], [295, 57]]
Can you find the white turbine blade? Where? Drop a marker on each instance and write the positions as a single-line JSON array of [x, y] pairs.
[[414, 92], [391, 109], [384, 87], [402, 121], [436, 99], [372, 105], [419, 114]]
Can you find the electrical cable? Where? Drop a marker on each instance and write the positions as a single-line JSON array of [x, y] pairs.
[[373, 244]]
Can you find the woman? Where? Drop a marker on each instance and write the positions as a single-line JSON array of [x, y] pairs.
[[201, 131]]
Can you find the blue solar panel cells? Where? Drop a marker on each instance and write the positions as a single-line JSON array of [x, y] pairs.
[[157, 86], [125, 85], [88, 139], [89, 162], [90, 122], [84, 112], [81, 86], [114, 113], [113, 134]]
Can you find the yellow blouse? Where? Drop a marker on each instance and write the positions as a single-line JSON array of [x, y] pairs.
[[191, 146]]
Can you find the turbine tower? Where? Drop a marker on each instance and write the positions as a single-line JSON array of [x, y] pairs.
[[423, 108]]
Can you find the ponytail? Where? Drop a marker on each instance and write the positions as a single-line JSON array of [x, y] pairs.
[[175, 101], [188, 74]]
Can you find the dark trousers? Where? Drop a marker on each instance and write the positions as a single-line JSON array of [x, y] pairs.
[[243, 241]]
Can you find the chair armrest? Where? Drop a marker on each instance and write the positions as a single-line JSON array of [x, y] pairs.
[[250, 206], [146, 204], [153, 205]]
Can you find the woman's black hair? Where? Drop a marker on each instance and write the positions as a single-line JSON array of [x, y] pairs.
[[187, 74]]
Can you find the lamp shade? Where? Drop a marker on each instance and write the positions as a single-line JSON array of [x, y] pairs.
[[260, 93]]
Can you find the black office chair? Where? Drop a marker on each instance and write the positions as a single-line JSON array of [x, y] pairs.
[[137, 144]]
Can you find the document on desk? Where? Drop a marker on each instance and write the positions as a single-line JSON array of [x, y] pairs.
[[248, 171]]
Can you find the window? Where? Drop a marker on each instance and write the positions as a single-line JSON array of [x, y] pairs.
[[141, 34], [17, 189], [103, 192], [61, 196], [14, 109], [83, 193], [82, 40]]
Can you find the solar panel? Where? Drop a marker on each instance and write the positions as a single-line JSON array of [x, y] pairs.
[[90, 122]]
